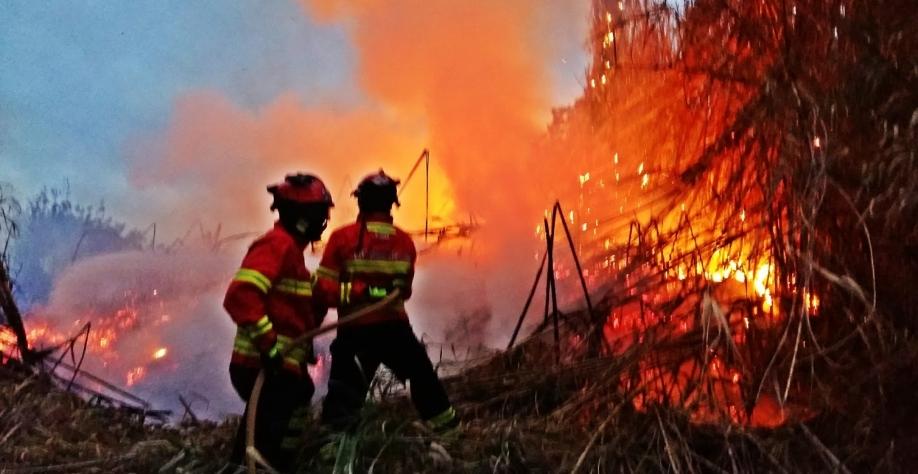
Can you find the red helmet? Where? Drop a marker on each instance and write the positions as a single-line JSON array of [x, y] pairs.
[[301, 189], [378, 187]]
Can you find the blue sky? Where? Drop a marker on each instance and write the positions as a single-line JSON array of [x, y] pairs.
[[80, 79]]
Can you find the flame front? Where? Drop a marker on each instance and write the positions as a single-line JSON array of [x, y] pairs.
[[684, 251]]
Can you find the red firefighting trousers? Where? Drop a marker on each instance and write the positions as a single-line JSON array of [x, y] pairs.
[[283, 408]]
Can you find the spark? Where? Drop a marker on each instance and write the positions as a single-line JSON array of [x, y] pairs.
[[761, 277], [811, 301], [160, 353], [135, 375]]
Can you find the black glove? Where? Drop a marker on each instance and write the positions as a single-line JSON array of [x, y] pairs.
[[311, 358]]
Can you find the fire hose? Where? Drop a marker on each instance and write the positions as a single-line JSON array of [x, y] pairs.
[[251, 453]]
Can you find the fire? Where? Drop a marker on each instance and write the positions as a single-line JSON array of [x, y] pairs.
[[108, 342], [680, 261], [135, 375], [7, 343]]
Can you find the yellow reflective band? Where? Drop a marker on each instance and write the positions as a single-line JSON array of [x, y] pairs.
[[325, 272], [297, 355], [345, 292], [294, 287], [381, 228], [274, 350], [379, 266], [376, 292], [258, 328], [264, 321], [261, 332], [258, 332], [243, 344], [443, 418], [254, 277]]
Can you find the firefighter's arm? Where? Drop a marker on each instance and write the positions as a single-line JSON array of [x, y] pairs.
[[326, 289], [404, 282], [246, 298]]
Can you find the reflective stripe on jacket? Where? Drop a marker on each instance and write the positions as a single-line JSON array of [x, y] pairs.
[[375, 253], [270, 300]]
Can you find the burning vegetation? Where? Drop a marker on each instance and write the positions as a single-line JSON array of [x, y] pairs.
[[740, 227]]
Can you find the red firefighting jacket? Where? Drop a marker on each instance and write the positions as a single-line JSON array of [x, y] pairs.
[[270, 300], [371, 253]]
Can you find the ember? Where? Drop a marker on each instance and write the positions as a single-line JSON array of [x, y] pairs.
[[135, 375]]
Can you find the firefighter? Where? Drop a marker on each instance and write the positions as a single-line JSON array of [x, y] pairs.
[[361, 264], [270, 300]]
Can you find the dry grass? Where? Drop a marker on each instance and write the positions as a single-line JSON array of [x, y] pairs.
[[805, 123], [46, 429]]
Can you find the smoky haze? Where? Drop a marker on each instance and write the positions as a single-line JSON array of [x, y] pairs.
[[471, 81]]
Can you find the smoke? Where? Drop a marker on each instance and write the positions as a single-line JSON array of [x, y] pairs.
[[140, 303], [476, 74], [214, 160], [471, 81]]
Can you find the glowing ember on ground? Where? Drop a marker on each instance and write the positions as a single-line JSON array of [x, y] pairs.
[[135, 375], [7, 343], [113, 336]]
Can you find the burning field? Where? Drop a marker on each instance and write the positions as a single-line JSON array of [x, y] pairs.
[[719, 233]]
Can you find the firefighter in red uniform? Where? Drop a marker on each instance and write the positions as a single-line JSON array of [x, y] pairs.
[[270, 299], [362, 263]]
